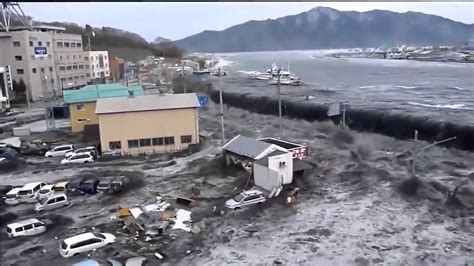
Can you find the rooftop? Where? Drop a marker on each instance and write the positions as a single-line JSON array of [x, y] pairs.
[[246, 146], [91, 93], [78, 238], [24, 222], [146, 103]]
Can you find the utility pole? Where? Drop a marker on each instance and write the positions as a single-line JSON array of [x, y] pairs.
[[182, 72], [221, 105], [344, 113], [279, 101], [415, 152]]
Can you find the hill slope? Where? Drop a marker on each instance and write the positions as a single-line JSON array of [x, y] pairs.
[[322, 28]]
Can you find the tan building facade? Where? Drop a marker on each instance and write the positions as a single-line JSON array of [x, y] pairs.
[[148, 124], [82, 114], [30, 56]]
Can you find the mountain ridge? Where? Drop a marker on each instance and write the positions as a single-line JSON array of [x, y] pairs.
[[328, 28]]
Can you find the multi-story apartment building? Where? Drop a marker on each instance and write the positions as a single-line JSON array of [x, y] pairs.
[[30, 55], [98, 62], [69, 56], [45, 58]]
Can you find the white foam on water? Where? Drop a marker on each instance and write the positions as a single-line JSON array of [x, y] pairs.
[[406, 87], [249, 72], [368, 87], [457, 88], [459, 106], [223, 63]]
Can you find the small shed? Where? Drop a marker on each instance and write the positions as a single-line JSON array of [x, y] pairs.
[[273, 171]]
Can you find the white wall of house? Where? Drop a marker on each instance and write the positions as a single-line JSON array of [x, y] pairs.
[[98, 62], [274, 176]]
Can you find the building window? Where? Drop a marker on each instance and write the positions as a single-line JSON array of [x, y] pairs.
[[186, 139], [115, 145], [40, 44], [97, 65], [42, 70], [49, 56], [47, 44], [20, 71], [60, 57], [96, 58], [86, 58], [134, 143], [145, 142], [157, 141], [32, 57], [69, 78], [80, 107], [61, 68], [73, 57], [79, 44], [81, 66], [50, 69], [82, 76], [82, 120], [87, 66], [16, 44], [18, 57], [66, 44], [79, 56], [106, 65], [76, 77], [69, 67], [106, 72], [73, 44], [67, 57], [105, 59], [88, 75], [33, 70], [59, 44], [31, 43], [74, 67], [93, 74], [169, 140]]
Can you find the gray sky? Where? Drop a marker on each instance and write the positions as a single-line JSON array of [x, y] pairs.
[[179, 20]]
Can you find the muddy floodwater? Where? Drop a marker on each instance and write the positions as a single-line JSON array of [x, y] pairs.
[[356, 206]]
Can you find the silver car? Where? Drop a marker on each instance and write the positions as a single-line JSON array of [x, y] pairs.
[[245, 198]]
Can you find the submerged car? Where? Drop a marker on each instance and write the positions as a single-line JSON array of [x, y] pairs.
[[98, 262], [84, 242], [28, 227], [29, 192], [245, 198], [85, 157], [59, 151], [12, 197], [90, 149], [45, 192], [114, 185], [55, 201]]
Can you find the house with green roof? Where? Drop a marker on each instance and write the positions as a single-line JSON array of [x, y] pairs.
[[82, 102]]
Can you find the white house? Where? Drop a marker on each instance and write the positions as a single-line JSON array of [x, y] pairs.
[[5, 86], [98, 62]]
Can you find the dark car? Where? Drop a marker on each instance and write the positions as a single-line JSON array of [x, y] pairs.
[[89, 185], [4, 189]]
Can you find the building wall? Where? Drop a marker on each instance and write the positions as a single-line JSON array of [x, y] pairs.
[[117, 69], [149, 124], [68, 52], [98, 62], [274, 176], [38, 73], [82, 114]]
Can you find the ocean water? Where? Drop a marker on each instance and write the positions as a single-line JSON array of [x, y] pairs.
[[440, 91]]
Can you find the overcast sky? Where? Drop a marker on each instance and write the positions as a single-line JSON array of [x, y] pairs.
[[179, 20]]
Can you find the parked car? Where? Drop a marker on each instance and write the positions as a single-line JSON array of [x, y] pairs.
[[29, 192], [59, 151], [34, 148], [114, 185], [55, 201], [45, 192], [81, 150], [27, 227], [85, 157], [136, 261], [98, 262], [12, 197], [74, 188], [84, 242], [89, 185], [245, 198], [61, 187]]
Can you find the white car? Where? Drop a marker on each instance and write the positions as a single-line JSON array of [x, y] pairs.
[[45, 192], [12, 197], [245, 198], [53, 202], [79, 158], [84, 243], [27, 227], [29, 192], [59, 151], [81, 150]]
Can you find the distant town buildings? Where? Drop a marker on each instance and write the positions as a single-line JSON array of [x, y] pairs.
[[148, 124]]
